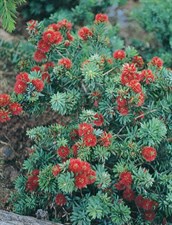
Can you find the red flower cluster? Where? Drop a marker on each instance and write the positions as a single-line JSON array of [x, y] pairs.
[[84, 33], [148, 76], [31, 25], [156, 61], [101, 18], [84, 175], [105, 139], [65, 62], [60, 199], [128, 194], [119, 54], [85, 128], [8, 108], [99, 119], [138, 61], [122, 105], [32, 181], [63, 152], [56, 170], [125, 180], [149, 153], [90, 140], [148, 205], [21, 83], [39, 84]]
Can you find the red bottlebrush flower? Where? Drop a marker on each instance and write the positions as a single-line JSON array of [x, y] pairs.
[[15, 108], [149, 153], [74, 134], [31, 24], [148, 204], [75, 165], [60, 199], [135, 86], [32, 183], [156, 61], [119, 186], [65, 62], [81, 181], [149, 215], [64, 24], [46, 77], [75, 149], [104, 139], [126, 178], [84, 33], [141, 99], [129, 72], [59, 38], [69, 36], [56, 170], [39, 84], [119, 54], [91, 177], [43, 46], [39, 56], [20, 87], [90, 140], [99, 119], [36, 69], [4, 116], [84, 129], [148, 76], [4, 100], [49, 36], [139, 201], [35, 172], [47, 65], [85, 167], [101, 18], [23, 77], [138, 61], [53, 27], [63, 152], [123, 110], [128, 194], [121, 102]]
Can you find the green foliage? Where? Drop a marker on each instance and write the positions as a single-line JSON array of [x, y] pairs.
[[66, 182], [8, 13]]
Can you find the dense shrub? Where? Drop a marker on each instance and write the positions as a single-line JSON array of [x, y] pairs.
[[109, 160], [155, 17]]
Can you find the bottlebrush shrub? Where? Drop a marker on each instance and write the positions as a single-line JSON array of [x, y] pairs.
[[109, 161]]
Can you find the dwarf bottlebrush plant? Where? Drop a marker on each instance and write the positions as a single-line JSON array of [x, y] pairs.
[[110, 161]]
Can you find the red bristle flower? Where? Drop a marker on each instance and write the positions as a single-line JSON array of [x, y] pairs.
[[141, 99], [39, 84], [139, 201], [69, 36], [135, 86], [85, 167], [43, 46], [49, 36], [156, 61], [121, 102], [149, 153], [23, 77], [105, 139], [81, 181], [148, 204], [59, 38], [47, 65], [101, 18], [128, 194], [75, 149], [85, 128], [31, 24], [123, 110], [32, 183], [53, 27], [75, 165], [64, 24], [148, 76], [36, 69], [90, 140], [20, 87], [56, 170], [149, 215], [129, 72], [46, 77], [126, 178], [4, 100], [84, 33], [63, 152], [39, 56], [119, 54], [65, 62], [60, 199], [119, 186], [138, 61], [35, 172], [4, 116], [99, 119], [91, 175], [15, 108]]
